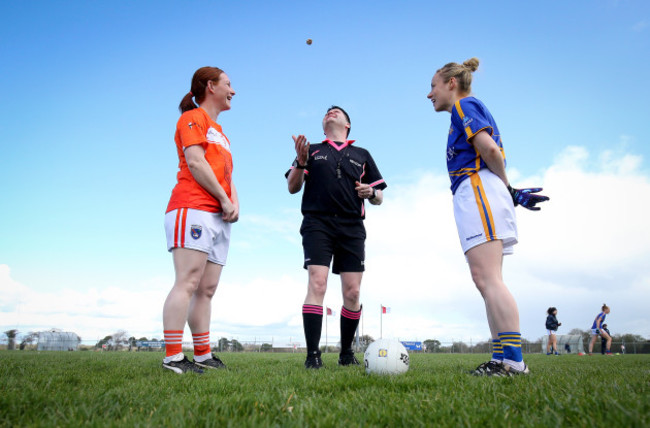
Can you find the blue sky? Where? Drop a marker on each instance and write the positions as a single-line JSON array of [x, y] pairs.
[[88, 160]]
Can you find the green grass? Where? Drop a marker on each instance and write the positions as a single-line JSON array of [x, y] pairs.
[[130, 389]]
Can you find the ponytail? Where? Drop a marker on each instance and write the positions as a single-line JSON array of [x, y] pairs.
[[187, 103]]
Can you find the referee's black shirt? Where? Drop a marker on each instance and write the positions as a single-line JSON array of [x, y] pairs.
[[328, 192]]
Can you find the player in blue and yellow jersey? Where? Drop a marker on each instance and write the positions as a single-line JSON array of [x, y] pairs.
[[484, 205], [597, 330]]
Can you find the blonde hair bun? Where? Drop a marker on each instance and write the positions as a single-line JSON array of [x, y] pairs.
[[471, 64]]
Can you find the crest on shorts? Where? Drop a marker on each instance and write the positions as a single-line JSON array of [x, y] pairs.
[[195, 230]]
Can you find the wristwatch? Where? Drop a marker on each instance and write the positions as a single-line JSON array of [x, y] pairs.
[[374, 194]]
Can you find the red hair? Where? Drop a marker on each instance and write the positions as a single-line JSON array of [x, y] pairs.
[[199, 83]]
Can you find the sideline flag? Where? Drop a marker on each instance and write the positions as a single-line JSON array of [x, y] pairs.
[[385, 310]]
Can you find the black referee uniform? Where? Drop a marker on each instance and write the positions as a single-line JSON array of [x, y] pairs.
[[332, 211], [332, 228]]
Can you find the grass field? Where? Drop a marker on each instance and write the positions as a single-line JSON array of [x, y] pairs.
[[130, 389]]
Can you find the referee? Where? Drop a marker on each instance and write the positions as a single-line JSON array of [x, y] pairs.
[[338, 177]]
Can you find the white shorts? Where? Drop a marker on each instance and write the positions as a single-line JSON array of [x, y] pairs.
[[198, 230], [551, 332], [484, 212]]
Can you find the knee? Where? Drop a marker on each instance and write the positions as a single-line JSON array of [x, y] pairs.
[[188, 283], [318, 285], [207, 291], [480, 282], [352, 294]]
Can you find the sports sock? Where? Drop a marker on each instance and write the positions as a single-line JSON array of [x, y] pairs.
[[497, 350], [349, 324], [173, 344], [201, 344], [511, 341], [312, 320]]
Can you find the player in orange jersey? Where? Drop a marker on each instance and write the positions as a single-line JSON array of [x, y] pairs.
[[199, 216]]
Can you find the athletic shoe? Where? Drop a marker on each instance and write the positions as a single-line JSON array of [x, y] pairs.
[[511, 371], [211, 363], [182, 366], [313, 361], [348, 359], [491, 368]]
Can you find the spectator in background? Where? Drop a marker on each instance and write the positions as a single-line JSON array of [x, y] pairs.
[[603, 341], [551, 329]]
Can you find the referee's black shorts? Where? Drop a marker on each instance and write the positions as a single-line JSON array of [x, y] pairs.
[[324, 237]]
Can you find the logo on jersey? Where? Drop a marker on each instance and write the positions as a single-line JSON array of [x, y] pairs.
[[451, 130], [321, 157], [195, 231], [451, 152], [353, 162], [469, 238], [216, 137], [467, 121], [191, 124]]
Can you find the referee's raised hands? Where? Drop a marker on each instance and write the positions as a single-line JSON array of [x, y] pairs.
[[302, 149]]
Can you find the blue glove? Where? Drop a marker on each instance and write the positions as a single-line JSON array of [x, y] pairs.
[[527, 197]]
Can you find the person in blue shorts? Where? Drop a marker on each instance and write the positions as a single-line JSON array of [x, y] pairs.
[[484, 207], [596, 330], [551, 329]]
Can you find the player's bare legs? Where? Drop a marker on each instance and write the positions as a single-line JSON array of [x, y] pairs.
[[317, 285], [552, 343], [351, 288], [608, 338], [198, 318], [485, 263], [604, 334], [591, 343], [200, 308], [485, 266], [189, 266]]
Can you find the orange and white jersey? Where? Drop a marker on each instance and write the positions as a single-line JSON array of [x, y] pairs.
[[196, 127]]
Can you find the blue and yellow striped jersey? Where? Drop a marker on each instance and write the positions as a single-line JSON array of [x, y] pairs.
[[469, 116], [601, 316]]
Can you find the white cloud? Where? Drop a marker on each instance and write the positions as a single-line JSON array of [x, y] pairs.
[[588, 245]]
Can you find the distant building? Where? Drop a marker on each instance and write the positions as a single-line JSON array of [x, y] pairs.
[[57, 340]]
